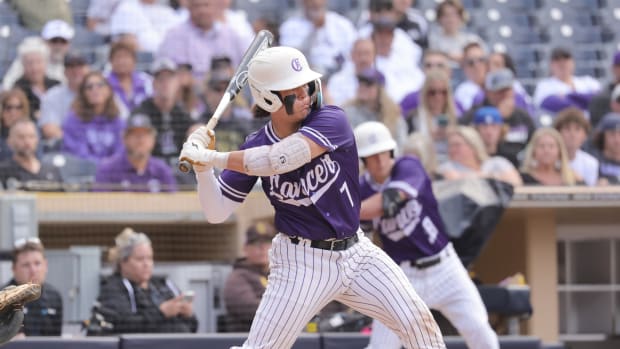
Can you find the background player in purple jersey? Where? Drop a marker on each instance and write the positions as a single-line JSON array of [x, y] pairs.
[[398, 198], [307, 161]]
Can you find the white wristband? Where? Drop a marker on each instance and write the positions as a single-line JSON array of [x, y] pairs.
[[220, 159]]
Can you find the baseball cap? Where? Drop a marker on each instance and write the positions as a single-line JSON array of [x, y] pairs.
[[163, 64], [384, 22], [611, 121], [74, 58], [499, 80], [259, 232], [139, 121], [560, 53], [371, 75], [487, 116], [57, 29]]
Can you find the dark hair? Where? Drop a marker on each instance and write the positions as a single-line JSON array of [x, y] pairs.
[[84, 110], [471, 45], [14, 93], [29, 246], [259, 112], [454, 3], [571, 115], [122, 46], [380, 5], [509, 63]]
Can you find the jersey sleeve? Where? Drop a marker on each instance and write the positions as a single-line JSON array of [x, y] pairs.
[[409, 176], [329, 128]]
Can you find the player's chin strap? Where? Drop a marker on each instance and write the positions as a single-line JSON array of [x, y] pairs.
[[316, 97]]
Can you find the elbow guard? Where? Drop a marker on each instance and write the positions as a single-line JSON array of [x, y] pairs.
[[284, 156]]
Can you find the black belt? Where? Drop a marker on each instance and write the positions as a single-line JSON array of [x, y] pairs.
[[426, 263], [330, 245]]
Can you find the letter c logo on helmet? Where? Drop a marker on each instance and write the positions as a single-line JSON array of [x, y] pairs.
[[277, 68], [373, 137]]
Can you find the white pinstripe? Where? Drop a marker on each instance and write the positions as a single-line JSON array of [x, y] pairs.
[[303, 280], [447, 288]]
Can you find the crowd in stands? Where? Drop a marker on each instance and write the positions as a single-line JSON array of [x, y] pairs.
[[101, 94]]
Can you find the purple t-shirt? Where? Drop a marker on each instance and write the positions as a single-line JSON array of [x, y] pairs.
[[92, 140], [320, 200], [141, 89], [417, 231], [118, 171]]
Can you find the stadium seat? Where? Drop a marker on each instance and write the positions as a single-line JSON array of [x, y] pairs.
[[516, 35], [552, 16], [575, 4], [569, 35], [79, 6], [17, 33], [84, 38], [73, 170]]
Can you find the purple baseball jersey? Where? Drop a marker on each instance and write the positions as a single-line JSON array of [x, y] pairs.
[[319, 200], [417, 231]]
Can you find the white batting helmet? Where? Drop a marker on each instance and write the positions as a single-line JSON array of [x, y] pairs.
[[372, 138], [276, 69]]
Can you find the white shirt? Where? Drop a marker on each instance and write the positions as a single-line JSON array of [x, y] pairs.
[[465, 94], [238, 20], [553, 86], [586, 166], [321, 46], [343, 84], [401, 68], [149, 22]]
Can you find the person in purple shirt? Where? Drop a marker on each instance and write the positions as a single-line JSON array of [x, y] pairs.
[[397, 197], [93, 129], [202, 37], [131, 86], [306, 160], [135, 169]]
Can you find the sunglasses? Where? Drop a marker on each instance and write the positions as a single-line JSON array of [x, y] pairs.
[[94, 85], [472, 61], [58, 41], [433, 92], [20, 243], [430, 65], [9, 107]]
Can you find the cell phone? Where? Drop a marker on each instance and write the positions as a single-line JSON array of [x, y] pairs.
[[188, 296]]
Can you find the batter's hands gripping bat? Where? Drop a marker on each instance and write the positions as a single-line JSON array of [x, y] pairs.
[[263, 39]]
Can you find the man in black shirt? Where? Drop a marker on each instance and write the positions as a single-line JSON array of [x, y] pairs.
[[42, 317], [24, 170], [168, 118]]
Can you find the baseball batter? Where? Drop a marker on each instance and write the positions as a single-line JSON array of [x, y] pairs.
[[398, 198], [307, 161]]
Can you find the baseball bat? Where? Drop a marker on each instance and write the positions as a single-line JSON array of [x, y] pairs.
[[263, 39]]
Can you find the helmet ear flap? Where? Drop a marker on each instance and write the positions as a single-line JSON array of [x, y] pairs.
[[267, 100]]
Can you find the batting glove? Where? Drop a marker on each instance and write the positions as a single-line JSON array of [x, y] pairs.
[[203, 136], [196, 154]]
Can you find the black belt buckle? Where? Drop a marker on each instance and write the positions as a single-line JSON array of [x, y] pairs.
[[330, 245], [427, 263]]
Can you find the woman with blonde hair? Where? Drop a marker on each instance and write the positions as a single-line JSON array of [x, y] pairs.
[[468, 158], [546, 160], [134, 301], [13, 107], [436, 112], [421, 147]]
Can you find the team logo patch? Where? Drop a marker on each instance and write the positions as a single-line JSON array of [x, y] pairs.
[[296, 64]]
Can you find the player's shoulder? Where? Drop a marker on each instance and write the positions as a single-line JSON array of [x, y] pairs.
[[327, 113], [258, 138]]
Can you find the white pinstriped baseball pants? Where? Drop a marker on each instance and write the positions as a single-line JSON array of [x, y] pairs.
[[302, 280], [447, 288]]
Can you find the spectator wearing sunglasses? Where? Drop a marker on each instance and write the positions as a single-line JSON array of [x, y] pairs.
[[42, 317], [475, 67], [168, 118], [499, 93], [93, 130], [13, 107], [432, 60]]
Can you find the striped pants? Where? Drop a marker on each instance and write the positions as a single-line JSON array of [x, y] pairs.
[[303, 280], [445, 287]]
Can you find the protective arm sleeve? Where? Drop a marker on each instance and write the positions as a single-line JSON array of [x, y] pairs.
[[216, 207]]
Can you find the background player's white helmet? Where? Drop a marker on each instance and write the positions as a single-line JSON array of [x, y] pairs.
[[372, 138], [276, 69]]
